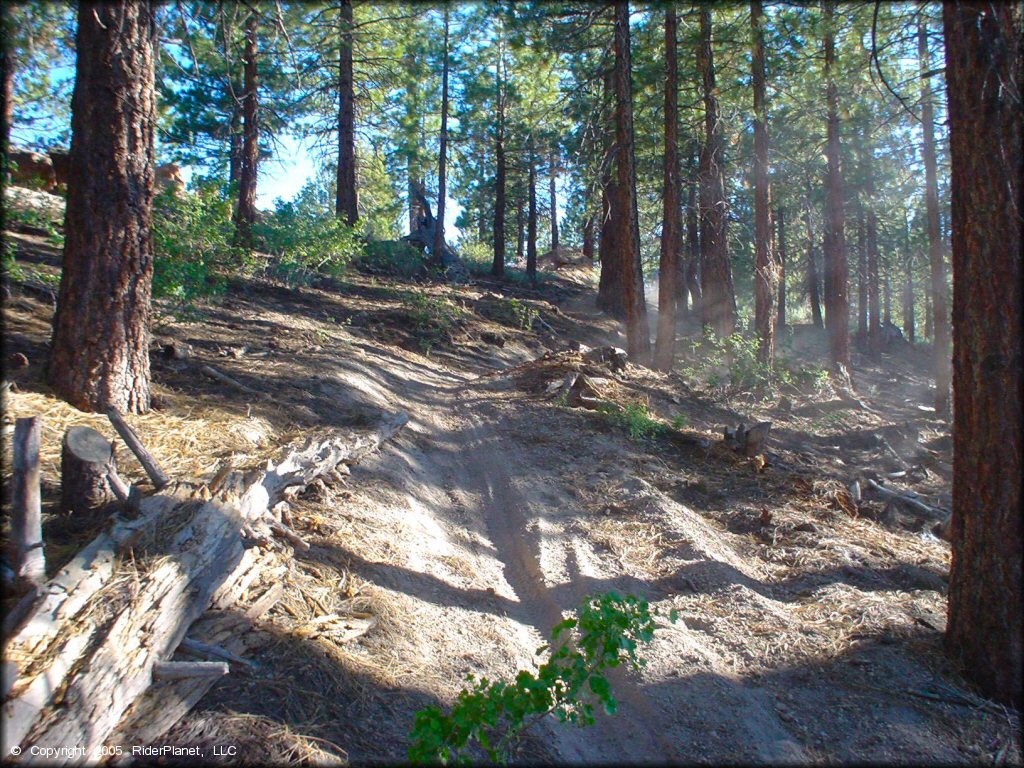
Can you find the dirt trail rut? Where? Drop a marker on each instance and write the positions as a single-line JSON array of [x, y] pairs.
[[534, 552]]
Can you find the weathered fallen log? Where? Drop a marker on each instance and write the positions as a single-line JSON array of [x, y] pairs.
[[908, 500], [223, 378], [126, 601], [28, 560], [188, 670]]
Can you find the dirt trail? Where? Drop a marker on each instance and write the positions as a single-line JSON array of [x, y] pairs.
[[813, 637]]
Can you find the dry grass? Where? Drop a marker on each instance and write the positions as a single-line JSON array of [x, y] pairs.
[[188, 443]]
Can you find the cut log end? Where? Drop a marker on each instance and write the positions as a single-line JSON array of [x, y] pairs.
[[85, 463]]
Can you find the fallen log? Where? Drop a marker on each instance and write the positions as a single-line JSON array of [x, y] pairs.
[[908, 500], [223, 378], [189, 670], [125, 602], [156, 475]]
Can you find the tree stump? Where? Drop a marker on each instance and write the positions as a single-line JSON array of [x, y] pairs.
[[85, 461]]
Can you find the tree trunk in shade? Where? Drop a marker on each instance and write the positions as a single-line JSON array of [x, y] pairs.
[[717, 297], [439, 243], [766, 268], [671, 228], [983, 66], [245, 213], [638, 340], [812, 273], [941, 361], [837, 305], [99, 353], [531, 221], [346, 205], [780, 321]]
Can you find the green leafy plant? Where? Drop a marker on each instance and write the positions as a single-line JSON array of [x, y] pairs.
[[635, 418], [391, 257], [192, 243], [606, 632], [305, 241], [523, 313]]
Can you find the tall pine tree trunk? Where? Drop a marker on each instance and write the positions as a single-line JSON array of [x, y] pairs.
[[99, 353], [693, 257], [638, 339], [717, 295], [871, 248], [941, 361], [553, 194], [588, 239], [245, 214], [837, 304], [520, 232], [983, 68], [766, 269], [498, 266], [442, 150], [780, 321], [531, 221], [671, 227], [812, 273], [610, 296], [862, 277], [6, 85], [346, 205]]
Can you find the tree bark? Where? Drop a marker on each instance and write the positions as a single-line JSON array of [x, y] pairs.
[[717, 296], [498, 266], [85, 463], [588, 239], [812, 272], [531, 221], [26, 540], [766, 268], [610, 298], [554, 198], [638, 339], [693, 257], [347, 202], [99, 353], [837, 305], [520, 232], [909, 325], [6, 85], [941, 350], [245, 215], [671, 227], [780, 321], [983, 66], [443, 148], [862, 274]]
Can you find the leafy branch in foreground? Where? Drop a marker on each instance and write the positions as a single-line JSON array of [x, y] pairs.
[[496, 714]]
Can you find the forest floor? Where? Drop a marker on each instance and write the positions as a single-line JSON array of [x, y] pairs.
[[810, 625]]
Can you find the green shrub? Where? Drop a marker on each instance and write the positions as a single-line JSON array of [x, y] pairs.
[[635, 419], [192, 243], [33, 218], [391, 257], [494, 714], [304, 242]]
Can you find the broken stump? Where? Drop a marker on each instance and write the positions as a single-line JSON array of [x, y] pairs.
[[85, 462]]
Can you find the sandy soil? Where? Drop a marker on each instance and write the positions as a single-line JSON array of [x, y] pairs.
[[807, 633]]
